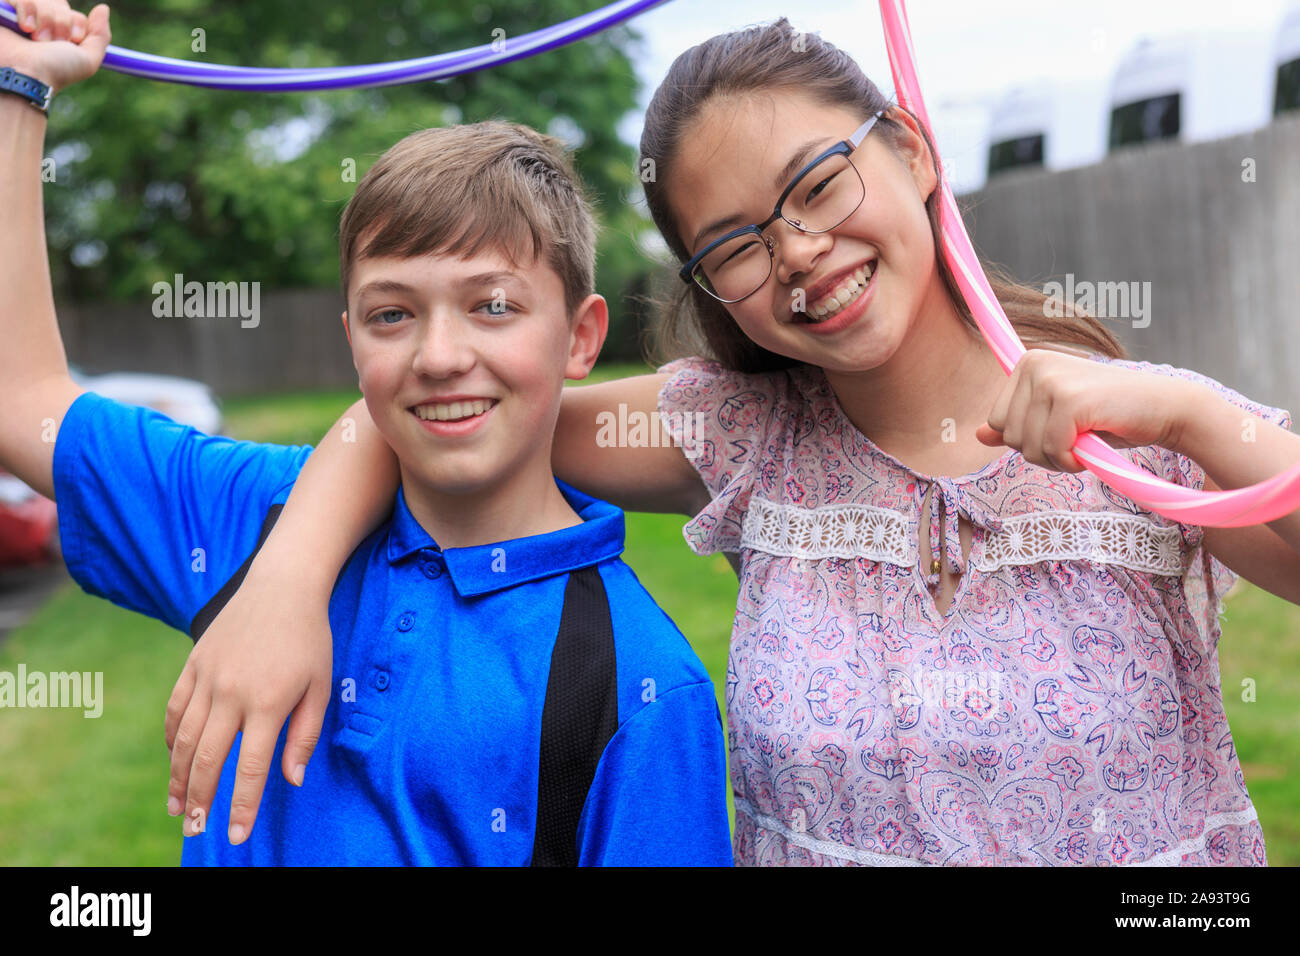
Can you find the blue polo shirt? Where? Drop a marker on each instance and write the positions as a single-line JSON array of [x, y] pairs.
[[430, 748]]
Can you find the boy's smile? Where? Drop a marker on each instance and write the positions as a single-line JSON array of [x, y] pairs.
[[444, 413]]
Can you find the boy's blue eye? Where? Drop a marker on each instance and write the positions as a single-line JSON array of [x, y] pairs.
[[378, 316], [496, 307]]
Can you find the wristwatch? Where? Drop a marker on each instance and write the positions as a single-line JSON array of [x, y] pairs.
[[28, 87]]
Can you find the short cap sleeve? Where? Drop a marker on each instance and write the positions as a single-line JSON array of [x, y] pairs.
[[1181, 470], [722, 421], [156, 516]]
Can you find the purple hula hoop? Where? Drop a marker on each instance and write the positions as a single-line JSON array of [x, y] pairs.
[[437, 67]]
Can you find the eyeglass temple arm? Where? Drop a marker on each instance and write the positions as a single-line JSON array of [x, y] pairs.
[[863, 130]]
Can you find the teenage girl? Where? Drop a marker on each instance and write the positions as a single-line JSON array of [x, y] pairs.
[[951, 643]]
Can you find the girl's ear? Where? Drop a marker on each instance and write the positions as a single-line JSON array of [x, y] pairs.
[[909, 143]]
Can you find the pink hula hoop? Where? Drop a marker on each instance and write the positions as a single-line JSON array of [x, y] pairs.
[[1255, 504]]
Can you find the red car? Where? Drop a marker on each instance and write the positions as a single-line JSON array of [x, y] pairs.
[[28, 524]]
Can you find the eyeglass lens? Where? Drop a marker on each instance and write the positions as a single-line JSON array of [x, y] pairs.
[[825, 196]]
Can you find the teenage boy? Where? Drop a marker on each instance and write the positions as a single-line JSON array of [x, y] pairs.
[[503, 689]]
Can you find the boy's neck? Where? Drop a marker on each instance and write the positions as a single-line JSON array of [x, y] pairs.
[[521, 505]]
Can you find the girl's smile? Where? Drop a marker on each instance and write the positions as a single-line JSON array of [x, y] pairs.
[[846, 302]]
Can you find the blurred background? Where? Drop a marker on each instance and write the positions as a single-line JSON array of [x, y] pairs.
[[1103, 141]]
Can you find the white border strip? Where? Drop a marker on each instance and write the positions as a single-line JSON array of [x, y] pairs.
[[839, 851], [824, 847]]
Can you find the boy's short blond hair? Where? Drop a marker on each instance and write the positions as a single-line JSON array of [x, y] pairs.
[[457, 190]]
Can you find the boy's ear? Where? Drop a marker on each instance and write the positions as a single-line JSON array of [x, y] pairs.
[[348, 332], [586, 336]]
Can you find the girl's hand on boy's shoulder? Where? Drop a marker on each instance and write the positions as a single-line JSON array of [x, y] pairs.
[[61, 46], [1051, 398], [268, 653]]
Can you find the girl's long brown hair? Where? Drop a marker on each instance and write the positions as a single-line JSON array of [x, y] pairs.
[[775, 57]]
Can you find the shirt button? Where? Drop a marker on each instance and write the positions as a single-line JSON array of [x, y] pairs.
[[381, 679], [406, 621], [431, 562]]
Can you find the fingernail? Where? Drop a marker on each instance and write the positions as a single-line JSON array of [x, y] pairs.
[[43, 35], [237, 834], [173, 807], [77, 32], [30, 23], [298, 771]]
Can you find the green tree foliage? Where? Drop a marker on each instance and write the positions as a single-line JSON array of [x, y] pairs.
[[152, 179]]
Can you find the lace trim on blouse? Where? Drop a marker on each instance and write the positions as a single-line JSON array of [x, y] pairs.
[[1107, 537], [832, 531], [1170, 857], [880, 534]]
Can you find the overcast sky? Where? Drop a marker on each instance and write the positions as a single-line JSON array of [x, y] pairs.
[[968, 53]]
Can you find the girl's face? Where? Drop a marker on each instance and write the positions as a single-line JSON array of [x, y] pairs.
[[734, 163]]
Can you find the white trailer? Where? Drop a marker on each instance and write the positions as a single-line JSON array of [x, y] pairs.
[[1185, 87]]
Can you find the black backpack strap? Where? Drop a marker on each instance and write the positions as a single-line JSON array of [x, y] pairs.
[[208, 613], [579, 717]]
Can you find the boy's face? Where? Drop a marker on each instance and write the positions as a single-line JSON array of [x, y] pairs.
[[479, 342]]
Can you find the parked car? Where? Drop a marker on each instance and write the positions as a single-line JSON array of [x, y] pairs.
[[182, 400], [28, 524], [29, 527]]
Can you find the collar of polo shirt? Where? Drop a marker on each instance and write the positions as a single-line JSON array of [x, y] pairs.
[[503, 564]]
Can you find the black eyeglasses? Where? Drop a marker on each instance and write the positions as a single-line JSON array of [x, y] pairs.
[[732, 268]]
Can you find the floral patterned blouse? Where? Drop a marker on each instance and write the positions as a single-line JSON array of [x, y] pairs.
[[1065, 710]]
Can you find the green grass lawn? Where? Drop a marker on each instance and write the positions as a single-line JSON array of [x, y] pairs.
[[92, 792]]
